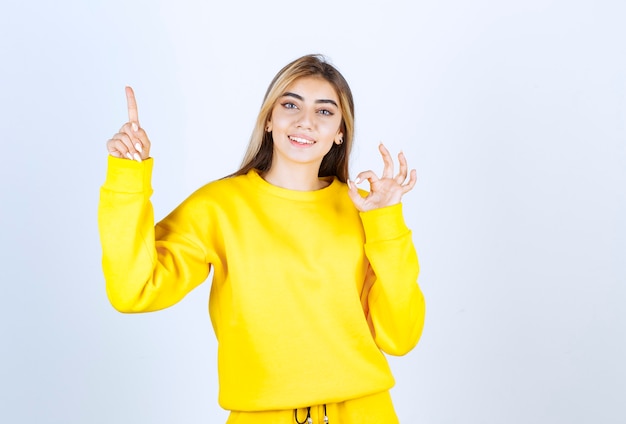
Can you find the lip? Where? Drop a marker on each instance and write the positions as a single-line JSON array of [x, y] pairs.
[[301, 140]]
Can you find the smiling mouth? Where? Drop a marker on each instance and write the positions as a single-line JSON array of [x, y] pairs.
[[302, 141]]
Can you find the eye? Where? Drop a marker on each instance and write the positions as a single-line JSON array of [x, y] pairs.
[[289, 105], [325, 112]]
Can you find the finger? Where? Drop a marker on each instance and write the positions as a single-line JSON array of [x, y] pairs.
[[126, 139], [118, 145], [131, 102], [123, 143], [387, 160], [366, 175], [412, 180], [403, 168], [355, 196], [142, 143], [112, 151], [117, 148], [139, 138]]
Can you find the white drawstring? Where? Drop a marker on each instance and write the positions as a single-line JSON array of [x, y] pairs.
[[308, 419]]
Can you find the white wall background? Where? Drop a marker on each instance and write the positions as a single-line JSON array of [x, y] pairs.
[[513, 112]]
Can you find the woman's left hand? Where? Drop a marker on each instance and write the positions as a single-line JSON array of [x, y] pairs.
[[385, 191]]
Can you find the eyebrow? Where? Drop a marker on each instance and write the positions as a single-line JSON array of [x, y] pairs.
[[299, 97]]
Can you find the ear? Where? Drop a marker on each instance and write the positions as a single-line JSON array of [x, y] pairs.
[[339, 138], [268, 126]]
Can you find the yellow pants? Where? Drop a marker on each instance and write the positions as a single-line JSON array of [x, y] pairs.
[[374, 409]]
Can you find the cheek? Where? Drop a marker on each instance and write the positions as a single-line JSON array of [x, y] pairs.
[[279, 120], [332, 128]]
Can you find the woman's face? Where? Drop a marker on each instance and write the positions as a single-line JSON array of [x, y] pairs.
[[305, 122]]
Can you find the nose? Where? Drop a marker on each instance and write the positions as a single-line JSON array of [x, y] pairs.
[[305, 119]]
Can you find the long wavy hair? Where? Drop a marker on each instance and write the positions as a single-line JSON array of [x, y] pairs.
[[261, 147]]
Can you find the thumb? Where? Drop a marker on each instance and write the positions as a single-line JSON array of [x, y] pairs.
[[355, 196]]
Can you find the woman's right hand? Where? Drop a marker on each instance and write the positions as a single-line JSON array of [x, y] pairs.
[[131, 141]]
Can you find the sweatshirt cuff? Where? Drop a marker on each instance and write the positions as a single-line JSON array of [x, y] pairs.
[[128, 176], [384, 223]]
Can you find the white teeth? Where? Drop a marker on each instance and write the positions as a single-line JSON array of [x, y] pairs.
[[301, 140]]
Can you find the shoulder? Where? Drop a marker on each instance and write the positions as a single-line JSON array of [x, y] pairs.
[[225, 184], [221, 190], [212, 200]]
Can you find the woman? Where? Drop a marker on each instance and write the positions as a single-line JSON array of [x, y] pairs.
[[312, 277]]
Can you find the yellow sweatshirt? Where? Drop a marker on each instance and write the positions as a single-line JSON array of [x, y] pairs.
[[306, 290]]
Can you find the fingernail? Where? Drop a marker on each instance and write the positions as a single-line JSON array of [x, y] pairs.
[[135, 126], [358, 180], [129, 156], [138, 147], [137, 157]]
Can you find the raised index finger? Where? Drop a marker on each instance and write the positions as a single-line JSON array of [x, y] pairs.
[[133, 114]]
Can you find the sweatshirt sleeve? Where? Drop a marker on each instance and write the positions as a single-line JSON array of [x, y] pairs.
[[394, 299], [145, 270]]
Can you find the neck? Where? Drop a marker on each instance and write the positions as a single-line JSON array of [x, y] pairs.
[[299, 179]]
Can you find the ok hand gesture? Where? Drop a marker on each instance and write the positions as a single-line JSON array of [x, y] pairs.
[[385, 191], [131, 142]]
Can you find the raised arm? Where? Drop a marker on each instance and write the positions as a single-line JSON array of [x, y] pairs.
[[145, 268], [391, 297]]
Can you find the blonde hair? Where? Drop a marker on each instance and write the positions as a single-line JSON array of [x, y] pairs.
[[261, 147]]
